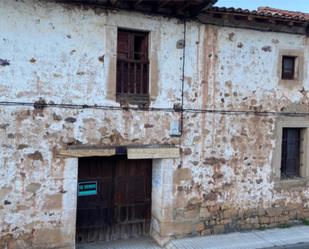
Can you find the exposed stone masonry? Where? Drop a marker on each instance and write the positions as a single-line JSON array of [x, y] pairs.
[[224, 179]]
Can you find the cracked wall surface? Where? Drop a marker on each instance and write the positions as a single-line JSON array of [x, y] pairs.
[[223, 181]]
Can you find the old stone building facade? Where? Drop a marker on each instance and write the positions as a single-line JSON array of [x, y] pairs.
[[165, 123]]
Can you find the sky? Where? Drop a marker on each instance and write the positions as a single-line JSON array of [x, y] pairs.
[[295, 5]]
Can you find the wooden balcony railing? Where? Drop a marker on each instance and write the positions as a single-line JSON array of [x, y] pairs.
[[132, 80]]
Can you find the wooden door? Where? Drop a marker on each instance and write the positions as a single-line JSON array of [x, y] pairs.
[[120, 207]]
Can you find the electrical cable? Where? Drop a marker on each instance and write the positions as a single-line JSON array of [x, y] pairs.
[[157, 109]]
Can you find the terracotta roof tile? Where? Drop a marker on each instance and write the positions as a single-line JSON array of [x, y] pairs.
[[266, 12], [283, 13]]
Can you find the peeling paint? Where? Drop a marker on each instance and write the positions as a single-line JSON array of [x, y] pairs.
[[223, 179], [4, 62]]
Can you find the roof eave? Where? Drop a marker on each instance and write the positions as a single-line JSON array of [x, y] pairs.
[[253, 20], [177, 8]]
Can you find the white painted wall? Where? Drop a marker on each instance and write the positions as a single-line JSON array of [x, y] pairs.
[[53, 52]]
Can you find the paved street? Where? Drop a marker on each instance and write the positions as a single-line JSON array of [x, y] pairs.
[[295, 246], [288, 238]]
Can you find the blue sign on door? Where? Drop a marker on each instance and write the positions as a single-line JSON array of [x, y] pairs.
[[87, 188]]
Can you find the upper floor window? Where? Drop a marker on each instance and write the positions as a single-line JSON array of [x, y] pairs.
[[132, 67], [288, 67]]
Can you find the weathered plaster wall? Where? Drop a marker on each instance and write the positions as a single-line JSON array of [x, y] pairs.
[[223, 180], [66, 54], [227, 181], [82, 51]]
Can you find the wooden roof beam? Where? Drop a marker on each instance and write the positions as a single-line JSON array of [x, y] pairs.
[[113, 2], [205, 5], [138, 2], [163, 3]]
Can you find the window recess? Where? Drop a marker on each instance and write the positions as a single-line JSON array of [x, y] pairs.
[[291, 152], [288, 67]]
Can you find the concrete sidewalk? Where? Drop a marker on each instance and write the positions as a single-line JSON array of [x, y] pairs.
[[279, 238]]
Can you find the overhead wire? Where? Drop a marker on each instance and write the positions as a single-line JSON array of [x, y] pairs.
[[155, 109]]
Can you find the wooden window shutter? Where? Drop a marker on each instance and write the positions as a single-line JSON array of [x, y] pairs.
[[290, 159], [132, 67], [288, 67]]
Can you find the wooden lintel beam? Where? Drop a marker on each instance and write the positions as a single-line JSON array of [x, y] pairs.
[[153, 153], [86, 152]]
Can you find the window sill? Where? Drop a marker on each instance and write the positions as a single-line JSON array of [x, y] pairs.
[[133, 99], [287, 184], [292, 83]]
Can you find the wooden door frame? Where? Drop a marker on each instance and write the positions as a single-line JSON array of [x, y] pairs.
[[161, 197]]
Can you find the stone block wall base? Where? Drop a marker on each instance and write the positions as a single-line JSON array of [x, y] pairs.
[[59, 247], [160, 240], [27, 244]]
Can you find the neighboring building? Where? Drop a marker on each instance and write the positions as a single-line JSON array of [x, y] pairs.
[[120, 119]]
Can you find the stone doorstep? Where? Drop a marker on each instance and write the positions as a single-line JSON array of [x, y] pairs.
[[161, 241]]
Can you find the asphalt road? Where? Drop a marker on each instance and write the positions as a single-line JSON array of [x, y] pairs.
[[296, 246]]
